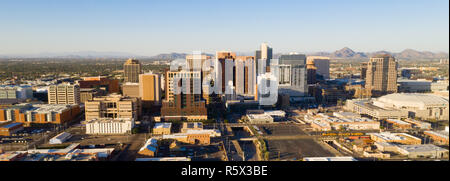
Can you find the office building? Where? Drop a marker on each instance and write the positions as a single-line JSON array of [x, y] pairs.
[[130, 89], [183, 97], [150, 89], [226, 75], [110, 86], [294, 84], [381, 75], [265, 53], [363, 70], [109, 126], [191, 126], [16, 92], [87, 94], [113, 106], [311, 71], [245, 75], [322, 65], [132, 69], [64, 94]]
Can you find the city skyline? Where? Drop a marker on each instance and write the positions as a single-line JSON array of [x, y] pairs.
[[151, 28]]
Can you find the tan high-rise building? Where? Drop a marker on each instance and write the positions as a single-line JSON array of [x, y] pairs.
[[64, 94], [150, 89], [132, 69], [113, 106], [381, 75]]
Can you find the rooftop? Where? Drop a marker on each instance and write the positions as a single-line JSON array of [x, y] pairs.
[[99, 120], [7, 126], [162, 125], [421, 148]]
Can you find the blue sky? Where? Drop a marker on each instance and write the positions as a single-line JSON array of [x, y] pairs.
[[153, 27]]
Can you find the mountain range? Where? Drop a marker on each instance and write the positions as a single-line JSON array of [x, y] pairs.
[[344, 53], [347, 53]]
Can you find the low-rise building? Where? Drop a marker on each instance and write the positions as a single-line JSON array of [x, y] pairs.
[[109, 126], [150, 148], [162, 128], [440, 137], [418, 124], [191, 126], [322, 122], [259, 118], [190, 138], [60, 138], [30, 114], [423, 151], [366, 107], [399, 124], [401, 138], [11, 128]]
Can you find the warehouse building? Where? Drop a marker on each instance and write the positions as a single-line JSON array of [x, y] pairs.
[[401, 138], [109, 126], [60, 138], [423, 151], [11, 128]]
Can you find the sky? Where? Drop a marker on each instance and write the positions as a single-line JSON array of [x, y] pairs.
[[150, 27]]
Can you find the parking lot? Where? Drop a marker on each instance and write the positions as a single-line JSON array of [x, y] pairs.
[[295, 149]]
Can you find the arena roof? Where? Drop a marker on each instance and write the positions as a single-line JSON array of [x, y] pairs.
[[414, 100]]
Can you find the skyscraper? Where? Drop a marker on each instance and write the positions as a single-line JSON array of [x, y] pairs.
[[64, 94], [265, 53], [150, 89], [322, 65], [183, 96], [195, 63], [296, 65], [222, 58], [131, 70], [311, 72], [381, 75], [245, 75]]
